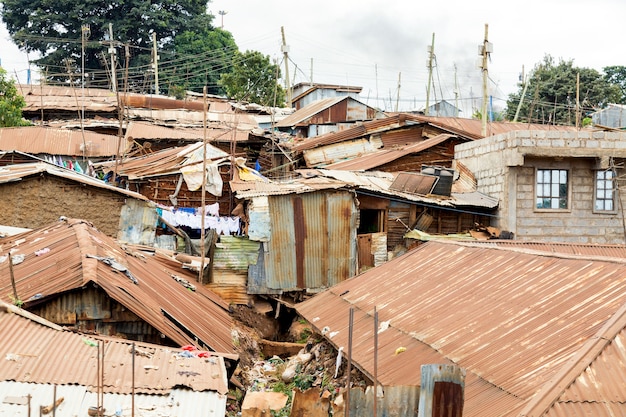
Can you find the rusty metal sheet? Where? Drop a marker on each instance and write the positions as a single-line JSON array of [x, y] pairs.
[[67, 142], [313, 241], [39, 352], [414, 183], [519, 321], [74, 259], [383, 156]]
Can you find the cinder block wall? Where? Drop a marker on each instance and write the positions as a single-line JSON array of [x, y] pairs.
[[503, 170]]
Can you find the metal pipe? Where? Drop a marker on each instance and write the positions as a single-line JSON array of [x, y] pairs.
[[132, 412]]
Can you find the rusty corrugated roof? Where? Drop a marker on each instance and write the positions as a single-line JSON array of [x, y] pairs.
[[45, 140], [375, 182], [150, 131], [383, 156], [464, 128], [11, 173], [567, 248], [36, 351], [300, 116], [414, 183], [473, 127], [165, 162], [186, 317], [525, 325]]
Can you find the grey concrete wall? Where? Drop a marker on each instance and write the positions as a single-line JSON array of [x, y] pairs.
[[504, 167]]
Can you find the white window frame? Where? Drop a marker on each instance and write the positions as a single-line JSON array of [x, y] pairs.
[[604, 191], [548, 188]]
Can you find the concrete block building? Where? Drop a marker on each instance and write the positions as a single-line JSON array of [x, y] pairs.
[[553, 185]]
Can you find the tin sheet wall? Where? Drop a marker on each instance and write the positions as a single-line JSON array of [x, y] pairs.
[[312, 244]]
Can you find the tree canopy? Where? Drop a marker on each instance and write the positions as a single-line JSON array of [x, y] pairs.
[[57, 31], [254, 79], [199, 60], [11, 102], [550, 96], [617, 75]]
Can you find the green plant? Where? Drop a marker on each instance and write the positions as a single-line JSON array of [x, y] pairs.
[[16, 301], [304, 335]]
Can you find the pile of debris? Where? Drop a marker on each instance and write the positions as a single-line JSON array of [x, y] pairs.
[[315, 376]]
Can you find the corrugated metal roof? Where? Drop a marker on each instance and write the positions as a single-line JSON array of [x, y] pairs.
[[370, 181], [165, 162], [567, 248], [309, 111], [383, 156], [185, 316], [524, 324], [37, 351], [11, 173], [149, 131], [464, 128], [78, 399], [45, 140], [414, 183], [473, 127]]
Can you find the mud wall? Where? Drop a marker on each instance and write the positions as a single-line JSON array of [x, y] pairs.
[[38, 201]]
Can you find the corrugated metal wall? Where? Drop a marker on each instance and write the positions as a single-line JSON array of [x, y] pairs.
[[312, 245], [137, 223]]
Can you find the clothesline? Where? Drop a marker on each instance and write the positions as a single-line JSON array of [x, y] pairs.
[[192, 217]]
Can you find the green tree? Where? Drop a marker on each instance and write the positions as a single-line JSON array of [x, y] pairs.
[[200, 59], [254, 79], [617, 75], [11, 102], [53, 29], [551, 94]]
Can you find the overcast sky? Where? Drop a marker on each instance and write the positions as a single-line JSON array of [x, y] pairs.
[[373, 43]]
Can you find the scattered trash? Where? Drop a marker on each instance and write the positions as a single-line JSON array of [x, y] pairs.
[[383, 326], [400, 350], [148, 367], [12, 357], [338, 362], [42, 251], [90, 342], [17, 259], [116, 266]]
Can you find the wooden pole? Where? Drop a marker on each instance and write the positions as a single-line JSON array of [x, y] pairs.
[[485, 78], [203, 199], [132, 406], [375, 362], [16, 298], [349, 368]]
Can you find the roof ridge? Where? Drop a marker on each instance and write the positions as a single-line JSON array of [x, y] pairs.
[[591, 349]]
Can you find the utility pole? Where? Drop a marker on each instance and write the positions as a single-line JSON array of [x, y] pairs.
[[113, 65], [398, 96], [521, 99], [577, 100], [222, 13], [431, 54], [84, 34], [456, 94], [285, 50], [484, 50], [155, 63]]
